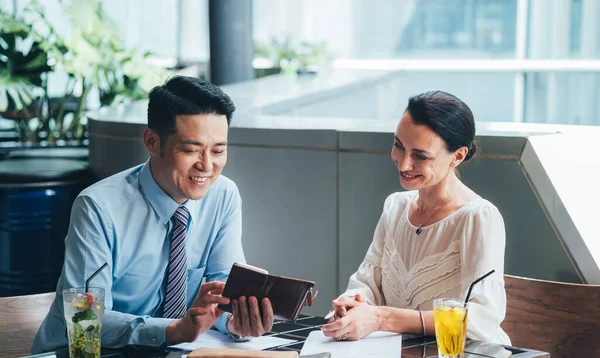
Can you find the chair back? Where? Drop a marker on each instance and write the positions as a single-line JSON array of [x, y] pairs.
[[562, 319], [20, 318]]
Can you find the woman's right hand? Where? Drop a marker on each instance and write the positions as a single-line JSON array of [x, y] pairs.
[[341, 308], [360, 319]]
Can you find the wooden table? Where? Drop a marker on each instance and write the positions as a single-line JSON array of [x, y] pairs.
[[20, 318], [412, 346]]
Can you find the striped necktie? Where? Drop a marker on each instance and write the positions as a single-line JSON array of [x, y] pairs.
[[175, 299]]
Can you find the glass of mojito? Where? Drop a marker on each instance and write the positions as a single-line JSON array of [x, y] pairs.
[[84, 312]]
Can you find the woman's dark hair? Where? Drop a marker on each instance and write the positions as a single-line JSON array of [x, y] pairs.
[[182, 95], [447, 116]]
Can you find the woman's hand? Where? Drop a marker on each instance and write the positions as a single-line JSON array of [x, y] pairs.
[[340, 308], [354, 319]]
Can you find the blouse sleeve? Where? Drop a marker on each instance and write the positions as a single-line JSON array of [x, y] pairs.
[[367, 280], [483, 250]]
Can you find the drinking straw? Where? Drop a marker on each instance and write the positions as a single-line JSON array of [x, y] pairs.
[[87, 282], [473, 283]]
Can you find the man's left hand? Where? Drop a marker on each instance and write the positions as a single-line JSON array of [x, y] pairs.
[[247, 320]]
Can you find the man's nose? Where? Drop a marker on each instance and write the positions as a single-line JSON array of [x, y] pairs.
[[204, 162]]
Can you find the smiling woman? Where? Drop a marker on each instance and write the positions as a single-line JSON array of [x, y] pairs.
[[433, 239]]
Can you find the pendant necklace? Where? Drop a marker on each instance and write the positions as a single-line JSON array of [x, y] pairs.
[[425, 222]]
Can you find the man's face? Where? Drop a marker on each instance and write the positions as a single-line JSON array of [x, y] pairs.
[[192, 158]]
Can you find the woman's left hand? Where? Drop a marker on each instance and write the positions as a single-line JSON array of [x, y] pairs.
[[360, 320]]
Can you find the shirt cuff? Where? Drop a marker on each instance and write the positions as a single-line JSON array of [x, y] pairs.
[[154, 332], [221, 323]]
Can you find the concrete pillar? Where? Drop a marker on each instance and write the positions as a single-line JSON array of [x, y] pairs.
[[559, 34], [231, 43]]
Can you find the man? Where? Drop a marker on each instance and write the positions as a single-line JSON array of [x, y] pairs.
[[162, 227]]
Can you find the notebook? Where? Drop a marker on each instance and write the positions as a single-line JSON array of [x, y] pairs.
[[288, 295], [216, 339], [377, 344]]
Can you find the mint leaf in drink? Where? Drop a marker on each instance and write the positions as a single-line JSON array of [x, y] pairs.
[[84, 316]]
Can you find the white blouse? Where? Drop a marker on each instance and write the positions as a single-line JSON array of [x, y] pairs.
[[405, 270]]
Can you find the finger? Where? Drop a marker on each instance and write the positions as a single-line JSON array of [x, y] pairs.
[[359, 298], [255, 319], [336, 325], [267, 317], [212, 299], [329, 334], [340, 312], [347, 301], [237, 315], [216, 291], [198, 311], [215, 286], [246, 329]]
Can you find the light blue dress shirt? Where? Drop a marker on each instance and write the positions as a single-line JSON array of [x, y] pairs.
[[125, 220]]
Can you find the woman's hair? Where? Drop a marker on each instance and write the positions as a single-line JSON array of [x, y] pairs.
[[447, 116]]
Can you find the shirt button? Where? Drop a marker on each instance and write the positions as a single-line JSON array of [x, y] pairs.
[[153, 341]]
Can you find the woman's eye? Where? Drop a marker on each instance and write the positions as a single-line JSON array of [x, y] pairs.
[[421, 157], [398, 146], [218, 151]]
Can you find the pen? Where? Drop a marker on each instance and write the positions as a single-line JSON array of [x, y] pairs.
[[330, 314]]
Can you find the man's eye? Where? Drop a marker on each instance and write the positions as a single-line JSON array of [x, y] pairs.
[[219, 151]]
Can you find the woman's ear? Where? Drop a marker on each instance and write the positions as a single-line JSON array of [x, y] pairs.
[[152, 142], [459, 156]]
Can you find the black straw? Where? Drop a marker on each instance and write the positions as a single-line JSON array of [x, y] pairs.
[[87, 282], [473, 283]]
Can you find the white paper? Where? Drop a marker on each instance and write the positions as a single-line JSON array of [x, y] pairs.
[[216, 339], [377, 344]]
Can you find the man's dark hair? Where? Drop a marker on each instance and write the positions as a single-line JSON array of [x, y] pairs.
[[447, 116], [182, 95]]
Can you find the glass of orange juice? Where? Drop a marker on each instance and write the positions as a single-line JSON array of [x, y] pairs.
[[450, 317]]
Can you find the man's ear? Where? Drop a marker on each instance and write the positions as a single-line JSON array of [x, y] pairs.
[[152, 142]]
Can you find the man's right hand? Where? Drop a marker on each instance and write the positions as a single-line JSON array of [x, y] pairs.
[[200, 316]]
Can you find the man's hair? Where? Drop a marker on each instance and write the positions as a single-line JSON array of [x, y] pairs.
[[182, 95]]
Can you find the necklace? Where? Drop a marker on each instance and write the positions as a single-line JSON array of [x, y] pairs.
[[425, 222]]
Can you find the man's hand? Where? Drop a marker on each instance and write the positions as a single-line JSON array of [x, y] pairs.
[[247, 320], [200, 316], [359, 320]]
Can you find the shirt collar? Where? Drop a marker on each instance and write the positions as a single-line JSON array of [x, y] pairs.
[[161, 202]]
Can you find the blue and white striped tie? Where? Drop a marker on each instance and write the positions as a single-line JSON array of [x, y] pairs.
[[175, 299]]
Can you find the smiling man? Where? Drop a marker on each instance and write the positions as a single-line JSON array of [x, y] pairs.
[[163, 227]]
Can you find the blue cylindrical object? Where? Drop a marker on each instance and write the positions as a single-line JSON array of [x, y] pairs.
[[36, 195]]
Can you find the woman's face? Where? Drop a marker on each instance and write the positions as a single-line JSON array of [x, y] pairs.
[[420, 155]]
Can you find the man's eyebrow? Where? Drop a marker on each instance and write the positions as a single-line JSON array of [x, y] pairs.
[[193, 142], [414, 149]]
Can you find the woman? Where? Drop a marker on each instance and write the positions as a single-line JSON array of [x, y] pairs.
[[432, 240]]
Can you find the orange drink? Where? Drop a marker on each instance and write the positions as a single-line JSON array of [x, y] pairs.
[[450, 319]]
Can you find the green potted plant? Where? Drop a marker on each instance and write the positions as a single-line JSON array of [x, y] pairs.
[[23, 64], [285, 56], [93, 57]]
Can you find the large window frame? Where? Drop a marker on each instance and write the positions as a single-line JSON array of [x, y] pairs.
[[521, 65]]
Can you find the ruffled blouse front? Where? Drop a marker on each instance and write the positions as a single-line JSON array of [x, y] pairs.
[[405, 270]]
